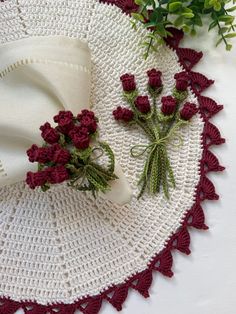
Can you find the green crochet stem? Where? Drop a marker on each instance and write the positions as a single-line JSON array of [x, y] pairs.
[[161, 130], [87, 175]]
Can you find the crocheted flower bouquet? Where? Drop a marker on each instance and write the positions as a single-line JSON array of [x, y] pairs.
[[67, 155], [161, 126]]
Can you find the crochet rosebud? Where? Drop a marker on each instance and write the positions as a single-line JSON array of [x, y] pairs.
[[124, 114], [182, 80], [87, 113], [64, 119], [32, 153], [89, 123], [79, 138], [49, 134], [168, 105], [142, 104], [128, 82], [188, 111], [154, 78], [57, 174], [34, 179], [78, 130], [60, 155], [87, 120]]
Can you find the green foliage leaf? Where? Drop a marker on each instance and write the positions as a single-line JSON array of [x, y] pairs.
[[226, 18], [228, 47], [179, 21], [231, 35], [173, 7], [139, 2], [231, 9], [219, 41], [212, 25], [188, 15], [138, 17]]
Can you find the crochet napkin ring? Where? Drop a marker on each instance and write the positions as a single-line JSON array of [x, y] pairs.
[[68, 155], [43, 75]]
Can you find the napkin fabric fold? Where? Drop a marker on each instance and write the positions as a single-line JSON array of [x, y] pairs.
[[40, 76]]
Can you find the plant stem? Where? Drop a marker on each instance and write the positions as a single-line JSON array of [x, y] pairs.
[[146, 129]]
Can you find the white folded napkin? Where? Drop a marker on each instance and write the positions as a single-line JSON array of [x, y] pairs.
[[40, 76]]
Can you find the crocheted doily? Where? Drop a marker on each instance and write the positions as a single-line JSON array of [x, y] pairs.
[[63, 250]]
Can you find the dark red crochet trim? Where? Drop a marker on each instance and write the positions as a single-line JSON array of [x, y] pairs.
[[205, 190]]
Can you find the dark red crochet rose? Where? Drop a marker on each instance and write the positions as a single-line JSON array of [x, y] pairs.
[[49, 134], [57, 174], [128, 82], [44, 154], [89, 123], [168, 105], [188, 111], [60, 155], [87, 113], [64, 119], [80, 141], [142, 104], [124, 114], [154, 78], [78, 130], [182, 80], [35, 179], [32, 153]]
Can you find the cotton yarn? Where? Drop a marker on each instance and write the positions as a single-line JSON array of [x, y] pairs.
[[60, 246]]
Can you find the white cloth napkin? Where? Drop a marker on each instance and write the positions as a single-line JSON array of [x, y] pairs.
[[38, 77]]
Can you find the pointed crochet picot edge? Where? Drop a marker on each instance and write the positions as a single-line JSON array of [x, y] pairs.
[[180, 241]]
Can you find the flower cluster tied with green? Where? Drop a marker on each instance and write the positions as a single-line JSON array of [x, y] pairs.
[[161, 124], [71, 153]]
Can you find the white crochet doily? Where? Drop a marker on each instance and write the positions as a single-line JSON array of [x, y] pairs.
[[62, 245]]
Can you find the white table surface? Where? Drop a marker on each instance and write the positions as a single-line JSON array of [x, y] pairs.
[[205, 281]]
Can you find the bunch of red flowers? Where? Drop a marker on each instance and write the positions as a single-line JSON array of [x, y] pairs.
[[54, 156], [159, 124]]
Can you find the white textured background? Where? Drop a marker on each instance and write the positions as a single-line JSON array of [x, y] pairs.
[[205, 281]]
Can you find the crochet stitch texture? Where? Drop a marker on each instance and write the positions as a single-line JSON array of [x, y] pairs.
[[62, 247]]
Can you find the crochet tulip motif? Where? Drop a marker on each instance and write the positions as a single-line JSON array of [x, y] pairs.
[[67, 155], [160, 123]]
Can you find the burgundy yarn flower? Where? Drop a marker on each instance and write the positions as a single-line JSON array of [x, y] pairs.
[[49, 134], [124, 114], [188, 111], [142, 104], [79, 139], [32, 153], [64, 119], [87, 120], [34, 179], [78, 130], [86, 113], [182, 80], [57, 174], [128, 6], [44, 154], [60, 155], [89, 123], [168, 105], [154, 80], [128, 82]]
